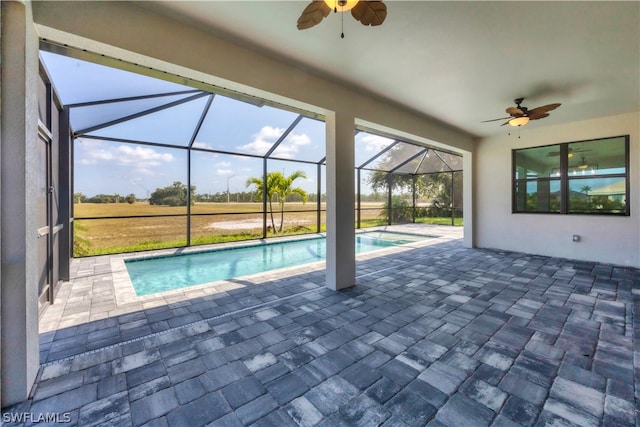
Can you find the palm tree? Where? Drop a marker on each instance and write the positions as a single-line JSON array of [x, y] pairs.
[[272, 182], [285, 188], [585, 189], [279, 186]]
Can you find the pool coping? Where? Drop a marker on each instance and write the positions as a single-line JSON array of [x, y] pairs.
[[125, 291]]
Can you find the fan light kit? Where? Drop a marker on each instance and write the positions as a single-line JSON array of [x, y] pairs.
[[367, 12], [520, 116], [341, 5], [519, 121], [583, 166]]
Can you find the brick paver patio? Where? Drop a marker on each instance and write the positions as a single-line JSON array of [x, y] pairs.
[[433, 334]]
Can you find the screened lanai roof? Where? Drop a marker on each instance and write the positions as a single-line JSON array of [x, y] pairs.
[[112, 104]]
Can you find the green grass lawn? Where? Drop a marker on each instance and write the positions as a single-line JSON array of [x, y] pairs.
[[210, 223]]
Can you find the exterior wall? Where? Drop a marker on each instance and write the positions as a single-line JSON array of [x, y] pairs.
[[608, 239], [18, 203]]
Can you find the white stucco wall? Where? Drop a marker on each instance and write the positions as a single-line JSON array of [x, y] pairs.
[[19, 164], [609, 239]]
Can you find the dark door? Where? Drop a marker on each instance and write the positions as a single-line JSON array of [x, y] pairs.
[[52, 177], [44, 214]]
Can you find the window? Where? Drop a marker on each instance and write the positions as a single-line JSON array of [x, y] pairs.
[[585, 177]]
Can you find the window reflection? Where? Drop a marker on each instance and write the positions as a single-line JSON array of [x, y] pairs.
[[593, 195], [602, 157], [591, 178], [538, 196], [537, 162]]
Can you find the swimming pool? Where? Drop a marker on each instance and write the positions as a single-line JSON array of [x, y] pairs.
[[160, 274]]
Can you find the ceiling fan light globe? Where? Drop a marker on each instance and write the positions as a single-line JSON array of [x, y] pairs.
[[341, 6], [519, 121]]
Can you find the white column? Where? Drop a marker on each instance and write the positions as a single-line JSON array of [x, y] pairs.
[[341, 258], [19, 351], [467, 199]]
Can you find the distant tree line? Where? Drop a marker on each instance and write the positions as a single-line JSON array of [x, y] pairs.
[[104, 198], [376, 196], [221, 196], [176, 195], [248, 196]]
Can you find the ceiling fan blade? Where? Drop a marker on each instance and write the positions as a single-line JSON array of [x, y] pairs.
[[515, 112], [538, 116], [313, 14], [506, 123], [544, 109], [495, 120], [370, 12]]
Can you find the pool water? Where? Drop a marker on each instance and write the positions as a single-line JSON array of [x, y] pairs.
[[151, 275]]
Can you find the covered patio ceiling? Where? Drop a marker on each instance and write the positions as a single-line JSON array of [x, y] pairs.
[[460, 62]]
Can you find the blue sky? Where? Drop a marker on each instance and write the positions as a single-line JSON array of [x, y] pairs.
[[106, 167]]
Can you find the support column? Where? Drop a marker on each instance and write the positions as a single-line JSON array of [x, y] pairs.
[[19, 350], [467, 199], [341, 257]]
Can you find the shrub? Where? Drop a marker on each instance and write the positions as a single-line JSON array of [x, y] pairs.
[[401, 210]]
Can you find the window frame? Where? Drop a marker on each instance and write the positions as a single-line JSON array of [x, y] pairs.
[[565, 179]]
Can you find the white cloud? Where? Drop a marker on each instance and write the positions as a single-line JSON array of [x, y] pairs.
[[143, 160], [90, 152], [94, 156], [271, 132], [198, 144], [375, 143], [299, 139], [141, 157], [264, 140], [293, 143], [223, 169]]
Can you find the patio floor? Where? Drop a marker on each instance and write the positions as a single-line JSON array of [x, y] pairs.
[[432, 334]]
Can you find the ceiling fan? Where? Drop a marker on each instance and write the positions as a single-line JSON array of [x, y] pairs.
[[367, 12], [570, 152], [520, 116]]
